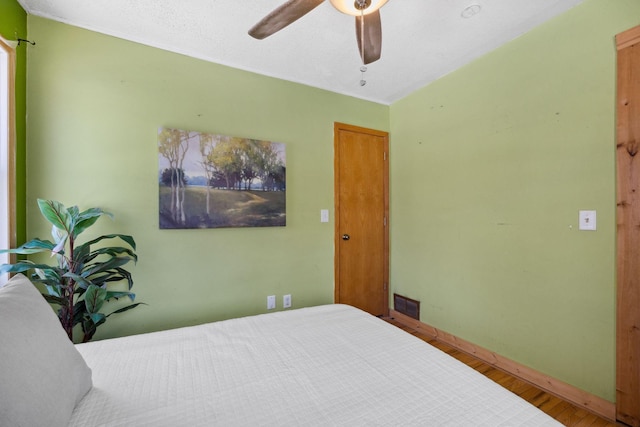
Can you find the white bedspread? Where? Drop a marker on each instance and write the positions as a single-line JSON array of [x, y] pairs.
[[323, 366]]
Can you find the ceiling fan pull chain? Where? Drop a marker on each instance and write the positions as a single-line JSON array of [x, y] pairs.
[[363, 69]]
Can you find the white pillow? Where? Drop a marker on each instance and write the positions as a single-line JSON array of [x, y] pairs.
[[42, 375]]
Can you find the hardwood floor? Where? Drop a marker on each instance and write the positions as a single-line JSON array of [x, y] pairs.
[[563, 411]]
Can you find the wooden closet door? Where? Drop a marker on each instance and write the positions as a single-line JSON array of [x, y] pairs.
[[362, 206], [628, 230]]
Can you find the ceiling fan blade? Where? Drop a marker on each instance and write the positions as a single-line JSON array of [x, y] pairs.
[[282, 16], [369, 41]]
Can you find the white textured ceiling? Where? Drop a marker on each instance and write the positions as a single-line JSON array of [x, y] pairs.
[[422, 40]]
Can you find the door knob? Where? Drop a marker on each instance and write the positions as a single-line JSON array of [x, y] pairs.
[[345, 237]]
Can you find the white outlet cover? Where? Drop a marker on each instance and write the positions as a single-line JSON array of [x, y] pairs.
[[286, 301], [587, 220], [271, 302]]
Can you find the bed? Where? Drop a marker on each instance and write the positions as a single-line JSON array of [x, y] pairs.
[[330, 365]]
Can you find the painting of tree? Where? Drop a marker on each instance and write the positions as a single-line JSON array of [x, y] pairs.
[[209, 181]]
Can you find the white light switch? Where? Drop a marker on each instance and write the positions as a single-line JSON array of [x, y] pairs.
[[587, 220], [324, 215]]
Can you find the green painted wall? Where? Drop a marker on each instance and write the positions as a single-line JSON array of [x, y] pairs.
[[13, 25], [490, 166], [95, 104]]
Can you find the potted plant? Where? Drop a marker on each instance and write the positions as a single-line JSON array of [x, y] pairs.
[[80, 282]]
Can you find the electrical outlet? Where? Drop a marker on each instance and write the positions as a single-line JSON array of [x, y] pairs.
[[286, 301], [271, 302]]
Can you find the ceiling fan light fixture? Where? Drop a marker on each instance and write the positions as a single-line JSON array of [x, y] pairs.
[[349, 7]]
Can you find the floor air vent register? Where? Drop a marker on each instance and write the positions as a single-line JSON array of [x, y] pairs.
[[407, 306]]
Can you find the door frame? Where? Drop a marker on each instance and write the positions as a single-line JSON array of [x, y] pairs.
[[627, 233], [337, 127]]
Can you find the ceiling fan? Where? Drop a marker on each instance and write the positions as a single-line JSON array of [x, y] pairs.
[[366, 12]]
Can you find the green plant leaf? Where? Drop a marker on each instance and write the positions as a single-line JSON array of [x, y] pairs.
[[52, 286], [59, 248], [79, 280], [60, 237], [128, 307], [98, 318], [125, 275], [79, 261], [73, 211], [54, 290], [80, 274], [118, 295], [100, 267], [113, 251], [105, 278], [79, 312], [31, 247], [22, 266], [56, 214], [55, 300], [86, 258], [89, 326], [94, 298], [50, 273], [128, 239], [87, 218], [102, 278]]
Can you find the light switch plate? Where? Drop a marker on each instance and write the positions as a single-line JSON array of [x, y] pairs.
[[324, 215], [587, 220]]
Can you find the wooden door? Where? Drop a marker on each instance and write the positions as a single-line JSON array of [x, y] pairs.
[[628, 232], [362, 210]]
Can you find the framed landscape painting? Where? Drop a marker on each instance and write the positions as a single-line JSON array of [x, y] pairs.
[[211, 181]]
